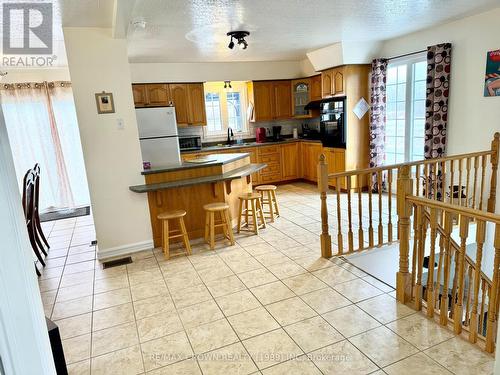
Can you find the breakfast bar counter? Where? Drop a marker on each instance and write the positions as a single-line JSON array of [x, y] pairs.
[[192, 184]]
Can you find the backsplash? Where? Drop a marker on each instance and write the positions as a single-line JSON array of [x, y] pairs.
[[287, 127]]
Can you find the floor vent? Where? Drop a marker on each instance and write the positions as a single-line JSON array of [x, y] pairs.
[[117, 262]]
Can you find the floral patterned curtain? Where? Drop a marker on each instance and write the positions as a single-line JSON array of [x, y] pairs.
[[378, 114], [436, 118]]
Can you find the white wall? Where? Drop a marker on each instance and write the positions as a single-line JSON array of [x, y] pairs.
[[200, 72], [472, 118], [112, 157]]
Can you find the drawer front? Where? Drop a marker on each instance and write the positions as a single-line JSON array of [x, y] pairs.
[[270, 158], [271, 168], [270, 177], [264, 150]]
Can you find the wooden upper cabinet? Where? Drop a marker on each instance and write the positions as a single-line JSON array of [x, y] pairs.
[[338, 81], [282, 100], [196, 104], [179, 96], [301, 95], [157, 94], [263, 100], [315, 87], [326, 83], [140, 98]]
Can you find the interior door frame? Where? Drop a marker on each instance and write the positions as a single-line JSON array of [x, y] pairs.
[[24, 341]]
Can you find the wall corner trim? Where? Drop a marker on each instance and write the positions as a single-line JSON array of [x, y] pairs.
[[124, 249]]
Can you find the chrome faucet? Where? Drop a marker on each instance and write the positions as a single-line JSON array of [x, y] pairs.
[[230, 136]]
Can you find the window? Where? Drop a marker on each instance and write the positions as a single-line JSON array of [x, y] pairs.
[[406, 94], [225, 108]]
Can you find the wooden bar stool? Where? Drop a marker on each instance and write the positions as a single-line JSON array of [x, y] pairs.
[[210, 224], [250, 205], [169, 234], [268, 197]]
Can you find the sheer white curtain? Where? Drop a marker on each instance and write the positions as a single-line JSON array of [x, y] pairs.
[[42, 128]]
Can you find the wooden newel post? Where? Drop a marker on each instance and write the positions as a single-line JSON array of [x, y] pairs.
[[326, 239], [403, 277], [495, 151]]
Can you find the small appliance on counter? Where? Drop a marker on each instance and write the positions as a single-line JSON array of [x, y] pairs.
[[276, 133], [190, 143], [260, 135], [309, 132], [158, 136], [332, 122]]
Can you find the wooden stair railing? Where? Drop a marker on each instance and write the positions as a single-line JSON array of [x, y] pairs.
[[461, 290], [364, 209]]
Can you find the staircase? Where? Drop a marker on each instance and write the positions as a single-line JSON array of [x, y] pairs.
[[440, 213]]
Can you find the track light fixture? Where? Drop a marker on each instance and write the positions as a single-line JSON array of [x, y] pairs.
[[240, 38]]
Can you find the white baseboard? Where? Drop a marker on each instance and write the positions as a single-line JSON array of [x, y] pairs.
[[124, 249]]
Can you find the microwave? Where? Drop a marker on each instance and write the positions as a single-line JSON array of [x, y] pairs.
[[190, 143]]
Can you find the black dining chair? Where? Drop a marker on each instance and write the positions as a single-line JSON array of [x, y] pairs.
[[39, 235]]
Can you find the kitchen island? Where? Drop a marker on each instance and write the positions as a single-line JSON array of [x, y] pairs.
[[194, 183]]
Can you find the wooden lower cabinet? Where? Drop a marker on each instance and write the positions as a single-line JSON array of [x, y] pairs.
[[310, 158], [286, 162], [290, 163]]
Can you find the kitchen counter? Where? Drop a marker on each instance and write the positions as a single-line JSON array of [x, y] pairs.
[[190, 186], [250, 144], [212, 160], [228, 176]]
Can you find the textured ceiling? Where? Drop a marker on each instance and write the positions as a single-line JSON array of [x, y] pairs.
[[192, 31]]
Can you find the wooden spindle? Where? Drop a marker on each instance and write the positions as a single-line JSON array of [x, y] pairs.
[[435, 180], [380, 225], [460, 177], [440, 267], [484, 294], [432, 261], [389, 197], [474, 193], [483, 175], [480, 236], [360, 213], [443, 181], [448, 226], [426, 183], [422, 224], [458, 312], [469, 273], [467, 180], [325, 238], [492, 305], [339, 219], [403, 277], [417, 179], [350, 239], [452, 179], [495, 150], [416, 235], [370, 210]]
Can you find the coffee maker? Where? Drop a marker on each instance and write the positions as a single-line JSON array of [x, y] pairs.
[[276, 133]]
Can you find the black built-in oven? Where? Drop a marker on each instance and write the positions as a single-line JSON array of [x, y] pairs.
[[333, 122]]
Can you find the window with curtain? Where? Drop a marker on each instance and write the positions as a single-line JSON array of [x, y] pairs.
[[405, 114], [225, 108], [42, 126]]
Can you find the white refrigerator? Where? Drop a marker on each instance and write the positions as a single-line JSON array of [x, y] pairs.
[[158, 136]]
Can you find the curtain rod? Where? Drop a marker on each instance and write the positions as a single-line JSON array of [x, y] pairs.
[[407, 54]]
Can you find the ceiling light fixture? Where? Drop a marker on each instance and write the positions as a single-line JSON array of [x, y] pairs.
[[240, 38], [227, 86]]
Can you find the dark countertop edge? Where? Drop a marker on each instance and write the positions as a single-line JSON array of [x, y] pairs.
[[253, 144], [232, 175], [186, 165]]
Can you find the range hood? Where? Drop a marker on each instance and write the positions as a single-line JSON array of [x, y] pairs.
[[315, 104]]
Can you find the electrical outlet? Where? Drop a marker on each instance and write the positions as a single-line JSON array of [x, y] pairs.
[[120, 124]]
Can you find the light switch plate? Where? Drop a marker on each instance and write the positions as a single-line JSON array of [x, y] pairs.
[[120, 124]]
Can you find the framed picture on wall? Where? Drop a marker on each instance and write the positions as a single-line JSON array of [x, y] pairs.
[[105, 103], [492, 77]]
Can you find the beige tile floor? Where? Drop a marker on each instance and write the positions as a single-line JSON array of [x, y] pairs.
[[268, 305]]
